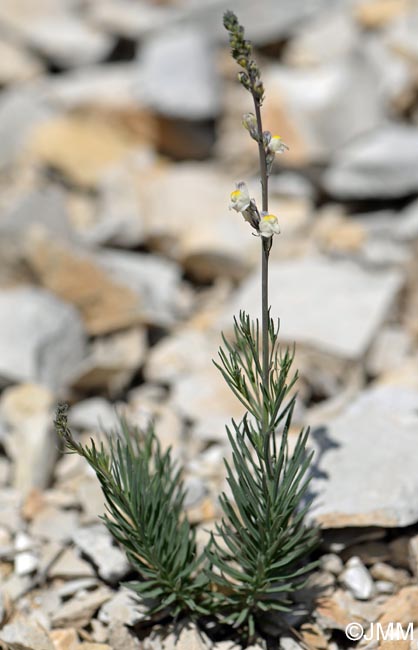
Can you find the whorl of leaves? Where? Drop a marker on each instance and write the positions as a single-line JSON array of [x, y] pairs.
[[259, 553], [144, 502]]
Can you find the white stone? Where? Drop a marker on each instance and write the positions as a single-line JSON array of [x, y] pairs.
[[93, 414], [123, 608], [96, 543], [380, 165], [27, 414], [131, 20], [22, 634], [357, 579], [154, 278], [66, 40], [41, 338], [336, 307], [327, 106], [21, 109], [371, 463], [177, 74]]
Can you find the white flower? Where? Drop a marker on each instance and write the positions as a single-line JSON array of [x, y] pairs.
[[268, 225], [240, 199], [276, 145]]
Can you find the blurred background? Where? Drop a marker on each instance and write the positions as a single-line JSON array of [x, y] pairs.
[[120, 263]]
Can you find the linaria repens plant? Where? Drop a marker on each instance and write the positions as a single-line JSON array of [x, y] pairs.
[[258, 556]]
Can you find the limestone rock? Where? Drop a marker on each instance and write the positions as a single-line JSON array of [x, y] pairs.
[[96, 543], [21, 110], [81, 147], [357, 579], [177, 74], [74, 276], [24, 635], [65, 639], [378, 165], [27, 413], [93, 414], [371, 465], [121, 608], [78, 611], [16, 64], [54, 524], [41, 338], [313, 109], [356, 305], [112, 361], [209, 240], [129, 20], [155, 280], [60, 35], [69, 566]]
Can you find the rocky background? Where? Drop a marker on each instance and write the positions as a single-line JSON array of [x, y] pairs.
[[120, 141]]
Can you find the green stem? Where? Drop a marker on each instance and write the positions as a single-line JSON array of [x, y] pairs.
[[265, 251]]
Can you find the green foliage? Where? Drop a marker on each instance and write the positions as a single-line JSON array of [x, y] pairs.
[[257, 555], [257, 558], [144, 501]]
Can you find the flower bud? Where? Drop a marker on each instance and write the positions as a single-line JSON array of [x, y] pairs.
[[249, 122]]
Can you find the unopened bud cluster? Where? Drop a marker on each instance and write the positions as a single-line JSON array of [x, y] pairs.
[[241, 50]]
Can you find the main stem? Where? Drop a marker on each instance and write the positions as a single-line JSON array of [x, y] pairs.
[[265, 251]]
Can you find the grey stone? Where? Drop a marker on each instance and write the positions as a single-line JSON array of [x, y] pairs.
[[320, 41], [121, 608], [96, 543], [93, 414], [41, 338], [20, 111], [108, 86], [327, 106], [26, 561], [130, 20], [27, 414], [78, 611], [25, 635], [43, 208], [390, 349], [406, 225], [156, 281], [384, 587], [69, 566], [177, 74], [381, 164], [53, 524], [66, 40], [401, 34], [332, 563], [120, 638], [111, 362], [16, 64], [195, 491], [265, 21], [336, 307], [357, 579], [120, 222], [371, 464]]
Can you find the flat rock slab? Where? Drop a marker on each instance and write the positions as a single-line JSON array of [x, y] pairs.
[[41, 338], [380, 165], [335, 307], [368, 474]]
